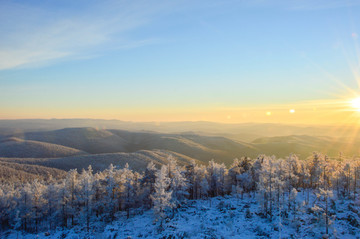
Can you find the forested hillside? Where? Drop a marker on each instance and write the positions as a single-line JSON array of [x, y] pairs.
[[270, 197], [222, 148]]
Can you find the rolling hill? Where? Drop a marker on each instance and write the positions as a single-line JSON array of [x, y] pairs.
[[87, 139], [94, 141], [201, 147], [12, 172], [242, 131], [303, 145], [136, 160], [19, 148], [70, 148]]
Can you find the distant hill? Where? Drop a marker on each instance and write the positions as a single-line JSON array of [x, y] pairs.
[[12, 172], [139, 148], [303, 145], [203, 148], [241, 131], [19, 148], [137, 160], [95, 141], [31, 149], [87, 139]]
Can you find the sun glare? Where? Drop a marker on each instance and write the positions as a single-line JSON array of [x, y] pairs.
[[355, 103]]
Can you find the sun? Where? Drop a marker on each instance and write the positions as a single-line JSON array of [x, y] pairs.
[[355, 103]]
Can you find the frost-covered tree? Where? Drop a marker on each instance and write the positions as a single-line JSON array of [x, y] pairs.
[[148, 184], [24, 208], [38, 202], [63, 199], [71, 187], [304, 180], [345, 179], [266, 183], [111, 194], [178, 183], [201, 185], [321, 205], [86, 195], [99, 193], [216, 174], [290, 178], [162, 197], [241, 176], [293, 202], [52, 196], [78, 199], [190, 175], [8, 210], [356, 168], [129, 189], [315, 169]]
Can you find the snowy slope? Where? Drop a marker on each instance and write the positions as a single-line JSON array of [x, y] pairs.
[[220, 217]]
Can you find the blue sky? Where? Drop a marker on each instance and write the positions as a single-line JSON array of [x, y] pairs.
[[90, 58]]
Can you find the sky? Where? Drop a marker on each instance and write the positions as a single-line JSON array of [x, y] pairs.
[[281, 61]]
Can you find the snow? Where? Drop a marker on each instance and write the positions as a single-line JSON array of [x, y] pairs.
[[287, 198], [219, 217]]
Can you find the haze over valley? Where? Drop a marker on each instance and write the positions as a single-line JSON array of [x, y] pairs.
[[45, 143]]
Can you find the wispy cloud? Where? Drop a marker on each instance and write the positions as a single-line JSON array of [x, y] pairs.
[[36, 35]]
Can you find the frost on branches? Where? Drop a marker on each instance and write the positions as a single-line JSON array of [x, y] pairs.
[[262, 197]]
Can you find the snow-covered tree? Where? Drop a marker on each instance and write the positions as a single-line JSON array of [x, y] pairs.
[[162, 197], [111, 194], [315, 169], [241, 176], [38, 202], [178, 183], [71, 187], [86, 195], [216, 177], [148, 184], [266, 183], [129, 189], [52, 196], [25, 213]]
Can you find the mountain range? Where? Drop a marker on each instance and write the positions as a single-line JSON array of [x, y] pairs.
[[79, 147]]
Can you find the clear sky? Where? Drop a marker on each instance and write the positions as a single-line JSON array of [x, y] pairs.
[[227, 61]]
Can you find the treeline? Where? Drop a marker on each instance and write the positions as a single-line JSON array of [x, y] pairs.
[[87, 197]]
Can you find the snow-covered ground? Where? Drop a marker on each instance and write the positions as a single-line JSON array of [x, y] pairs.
[[220, 217]]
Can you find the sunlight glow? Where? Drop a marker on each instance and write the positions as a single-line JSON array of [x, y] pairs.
[[355, 103]]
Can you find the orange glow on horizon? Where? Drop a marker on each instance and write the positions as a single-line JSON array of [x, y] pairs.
[[311, 112]]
